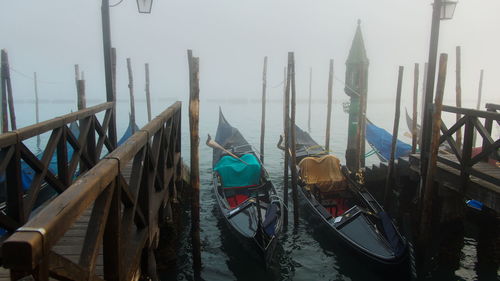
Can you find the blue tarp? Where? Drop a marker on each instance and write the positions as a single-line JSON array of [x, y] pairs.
[[235, 173], [381, 140]]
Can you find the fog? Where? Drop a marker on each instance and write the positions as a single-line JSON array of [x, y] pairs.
[[232, 37]]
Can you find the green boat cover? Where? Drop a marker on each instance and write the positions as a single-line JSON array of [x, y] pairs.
[[235, 173]]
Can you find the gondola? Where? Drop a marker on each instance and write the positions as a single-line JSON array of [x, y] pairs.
[[246, 198], [343, 207]]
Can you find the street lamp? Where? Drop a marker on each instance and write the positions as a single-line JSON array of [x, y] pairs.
[[447, 9], [143, 6], [442, 10]]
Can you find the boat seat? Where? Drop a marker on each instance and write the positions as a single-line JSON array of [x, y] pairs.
[[322, 172]]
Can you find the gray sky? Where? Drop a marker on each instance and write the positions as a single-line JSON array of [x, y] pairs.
[[232, 37]]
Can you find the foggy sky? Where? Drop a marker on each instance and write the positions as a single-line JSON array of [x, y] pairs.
[[232, 37]]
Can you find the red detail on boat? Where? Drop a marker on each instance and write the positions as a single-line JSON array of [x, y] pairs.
[[236, 200]]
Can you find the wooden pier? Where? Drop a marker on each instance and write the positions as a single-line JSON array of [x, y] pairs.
[[106, 223], [473, 176]]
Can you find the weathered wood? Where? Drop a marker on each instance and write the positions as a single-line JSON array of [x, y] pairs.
[[390, 170], [263, 119], [8, 84], [286, 124], [3, 91], [81, 99], [194, 115], [478, 105], [309, 106], [37, 111], [473, 112], [329, 106], [95, 230], [480, 90], [77, 74], [62, 158], [429, 191], [131, 91], [112, 240], [14, 192], [45, 126], [458, 92], [148, 96], [64, 269], [293, 164], [448, 176], [414, 136]]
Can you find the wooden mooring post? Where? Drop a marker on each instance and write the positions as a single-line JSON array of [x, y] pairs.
[[293, 164], [329, 109], [414, 134], [458, 92], [194, 115], [286, 129], [310, 95], [37, 109], [390, 169], [148, 95], [263, 120], [131, 91], [7, 89], [429, 184]]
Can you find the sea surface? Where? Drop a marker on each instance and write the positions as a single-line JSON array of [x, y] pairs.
[[303, 254]]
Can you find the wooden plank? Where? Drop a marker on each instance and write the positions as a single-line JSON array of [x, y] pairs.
[[95, 229], [472, 112], [45, 126]]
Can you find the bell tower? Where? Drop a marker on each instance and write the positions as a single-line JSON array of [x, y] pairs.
[[356, 87]]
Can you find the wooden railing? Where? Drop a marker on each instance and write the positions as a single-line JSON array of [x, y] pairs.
[[14, 155], [470, 120], [125, 210]]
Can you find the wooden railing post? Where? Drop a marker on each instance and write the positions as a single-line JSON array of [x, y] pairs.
[[112, 254], [467, 152], [15, 203]]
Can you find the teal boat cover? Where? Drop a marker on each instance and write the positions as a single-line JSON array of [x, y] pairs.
[[235, 173]]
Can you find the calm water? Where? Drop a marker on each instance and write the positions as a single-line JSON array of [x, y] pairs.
[[304, 253]]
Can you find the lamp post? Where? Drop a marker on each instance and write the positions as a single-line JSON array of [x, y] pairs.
[[143, 6], [442, 10]]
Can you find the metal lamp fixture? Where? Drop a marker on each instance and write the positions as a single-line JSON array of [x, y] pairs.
[[447, 9], [144, 6]]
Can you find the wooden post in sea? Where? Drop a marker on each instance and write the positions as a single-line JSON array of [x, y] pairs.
[[37, 109], [286, 123], [8, 92], [81, 99], [194, 115], [293, 164], [263, 120], [458, 89], [478, 105], [3, 86], [422, 103], [310, 95], [131, 91], [148, 96], [390, 169], [480, 90], [429, 185], [414, 135], [77, 74], [329, 109]]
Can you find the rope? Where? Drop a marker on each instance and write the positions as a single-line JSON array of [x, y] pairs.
[[31, 78]]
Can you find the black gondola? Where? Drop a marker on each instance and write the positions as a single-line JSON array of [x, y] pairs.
[[343, 206], [246, 198]]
